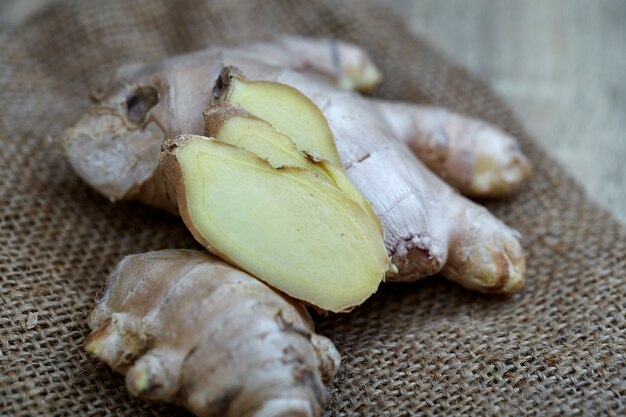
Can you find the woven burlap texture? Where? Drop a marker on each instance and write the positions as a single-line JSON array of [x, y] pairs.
[[427, 348]]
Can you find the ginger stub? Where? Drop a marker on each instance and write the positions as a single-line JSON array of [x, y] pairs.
[[187, 328]]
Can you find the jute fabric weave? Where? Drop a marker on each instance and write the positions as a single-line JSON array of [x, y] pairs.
[[427, 348]]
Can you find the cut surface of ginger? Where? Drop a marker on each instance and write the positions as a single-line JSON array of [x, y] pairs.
[[262, 139], [294, 231], [288, 110]]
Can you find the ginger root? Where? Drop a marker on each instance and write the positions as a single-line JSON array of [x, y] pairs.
[[284, 225], [472, 247], [273, 193], [186, 328], [428, 227]]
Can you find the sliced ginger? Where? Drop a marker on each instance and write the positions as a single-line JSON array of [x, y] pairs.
[[285, 108], [294, 231], [237, 127]]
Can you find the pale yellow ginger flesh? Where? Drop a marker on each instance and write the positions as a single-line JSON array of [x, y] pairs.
[[287, 227], [187, 328], [289, 111], [236, 127]]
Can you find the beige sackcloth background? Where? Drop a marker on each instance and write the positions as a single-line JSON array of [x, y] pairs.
[[427, 348]]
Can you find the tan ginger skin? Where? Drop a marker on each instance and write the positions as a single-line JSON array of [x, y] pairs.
[[429, 228], [187, 328]]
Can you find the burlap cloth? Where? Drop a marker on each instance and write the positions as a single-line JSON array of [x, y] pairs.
[[556, 348]]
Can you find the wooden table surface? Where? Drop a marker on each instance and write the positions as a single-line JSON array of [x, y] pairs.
[[560, 63]]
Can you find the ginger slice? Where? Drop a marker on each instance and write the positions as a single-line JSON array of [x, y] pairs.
[[285, 108], [292, 230], [235, 126]]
